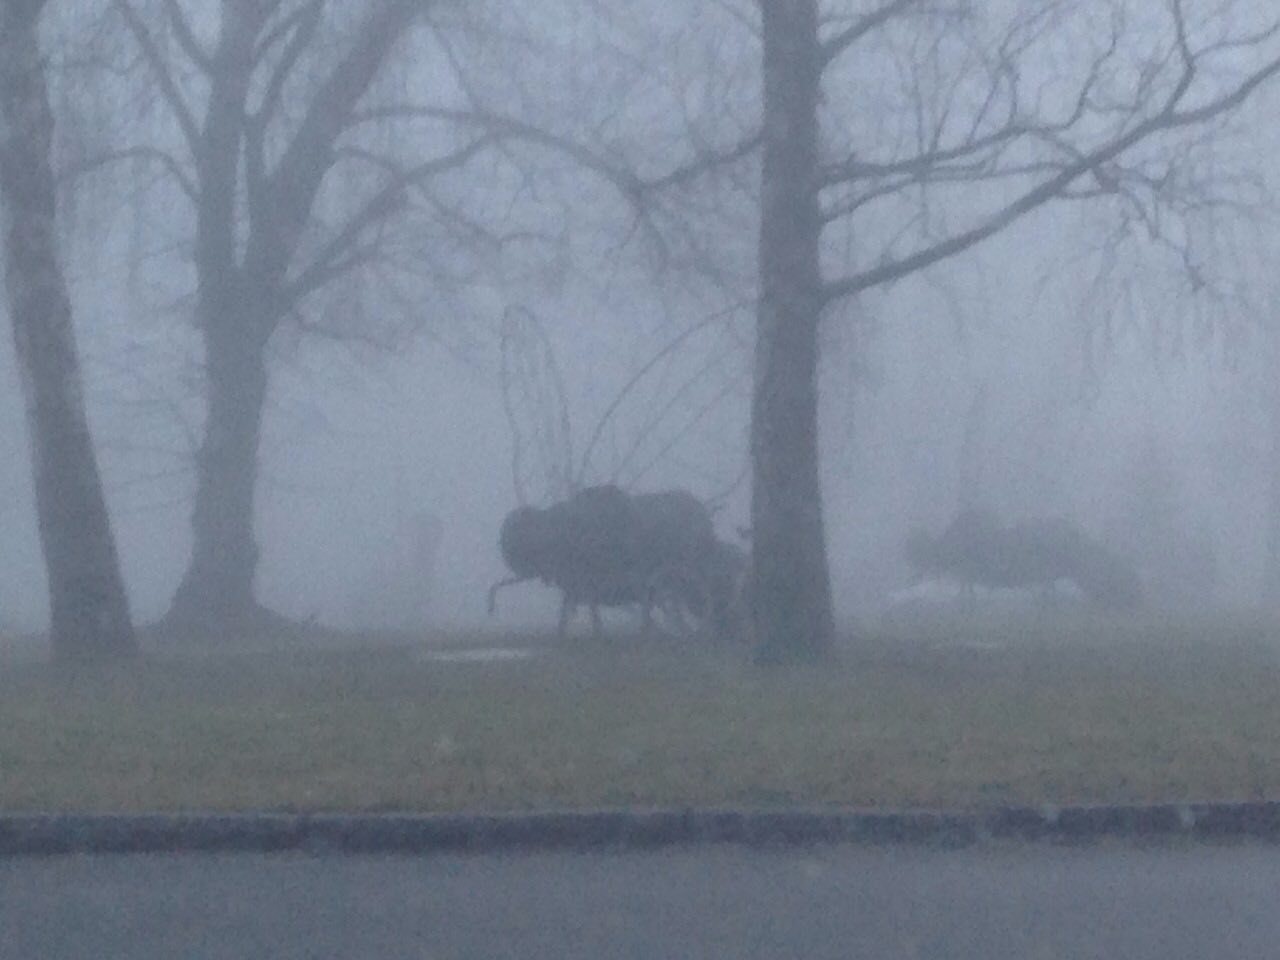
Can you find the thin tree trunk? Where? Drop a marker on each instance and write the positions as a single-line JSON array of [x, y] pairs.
[[217, 590], [87, 600], [791, 611]]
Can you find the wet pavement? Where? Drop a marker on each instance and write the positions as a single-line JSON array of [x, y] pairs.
[[1172, 902]]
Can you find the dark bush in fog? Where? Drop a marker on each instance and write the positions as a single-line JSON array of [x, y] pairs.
[[976, 549]]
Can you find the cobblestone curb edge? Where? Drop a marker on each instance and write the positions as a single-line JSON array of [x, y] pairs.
[[38, 834]]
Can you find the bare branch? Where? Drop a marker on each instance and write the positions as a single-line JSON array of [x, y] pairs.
[[162, 157], [839, 42], [627, 181], [164, 76], [292, 186], [1169, 117], [284, 28], [186, 36], [921, 166], [917, 166], [705, 162], [334, 256], [305, 24], [313, 329], [220, 141]]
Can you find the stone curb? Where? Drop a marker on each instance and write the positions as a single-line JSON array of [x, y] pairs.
[[72, 833]]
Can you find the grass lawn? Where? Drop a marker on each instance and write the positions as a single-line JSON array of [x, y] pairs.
[[1080, 712]]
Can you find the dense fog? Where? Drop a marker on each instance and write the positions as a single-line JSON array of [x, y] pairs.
[[358, 441], [1084, 363]]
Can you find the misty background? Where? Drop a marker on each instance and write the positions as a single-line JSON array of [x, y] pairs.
[[1095, 374]]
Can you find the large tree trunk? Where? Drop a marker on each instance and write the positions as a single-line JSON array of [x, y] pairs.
[[216, 597], [217, 591], [791, 586], [88, 605]]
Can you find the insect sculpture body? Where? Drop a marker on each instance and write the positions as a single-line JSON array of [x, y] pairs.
[[603, 547]]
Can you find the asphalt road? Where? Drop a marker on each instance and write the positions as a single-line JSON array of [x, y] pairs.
[[1029, 903]]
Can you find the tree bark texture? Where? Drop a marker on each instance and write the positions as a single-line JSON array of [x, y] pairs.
[[89, 608], [218, 587], [791, 612]]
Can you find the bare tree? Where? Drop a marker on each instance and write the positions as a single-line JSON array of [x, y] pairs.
[[88, 605], [896, 135], [268, 103], [984, 125], [990, 112]]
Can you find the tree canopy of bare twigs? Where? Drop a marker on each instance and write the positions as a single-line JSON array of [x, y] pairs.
[[319, 200]]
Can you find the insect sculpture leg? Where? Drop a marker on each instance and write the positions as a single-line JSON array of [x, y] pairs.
[[501, 584]]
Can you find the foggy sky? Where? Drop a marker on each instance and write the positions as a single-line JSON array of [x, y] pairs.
[[356, 439]]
